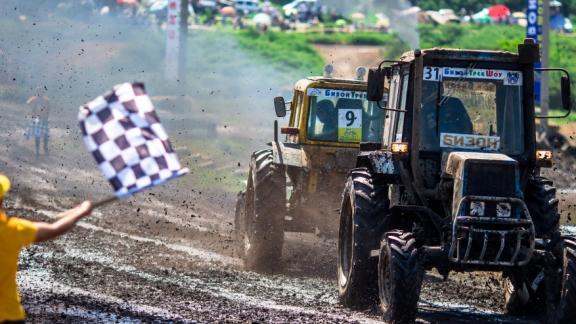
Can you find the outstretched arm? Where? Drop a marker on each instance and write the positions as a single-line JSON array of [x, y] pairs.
[[66, 222]]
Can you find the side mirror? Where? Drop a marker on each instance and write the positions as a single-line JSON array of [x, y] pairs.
[[566, 93], [280, 106], [376, 84]]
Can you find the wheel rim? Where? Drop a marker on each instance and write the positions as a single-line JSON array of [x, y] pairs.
[[346, 243]]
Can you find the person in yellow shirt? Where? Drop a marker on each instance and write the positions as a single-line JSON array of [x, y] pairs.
[[16, 234]]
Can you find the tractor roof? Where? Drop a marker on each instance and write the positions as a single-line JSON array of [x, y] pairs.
[[331, 83], [463, 55]]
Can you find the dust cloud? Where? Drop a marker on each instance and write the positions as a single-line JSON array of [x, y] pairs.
[[222, 113], [403, 22]]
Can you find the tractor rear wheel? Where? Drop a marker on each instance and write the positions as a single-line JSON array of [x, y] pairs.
[[540, 197], [240, 224], [400, 274], [265, 209], [364, 206]]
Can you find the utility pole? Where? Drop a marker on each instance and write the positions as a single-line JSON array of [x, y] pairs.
[[183, 42], [171, 59], [545, 79]]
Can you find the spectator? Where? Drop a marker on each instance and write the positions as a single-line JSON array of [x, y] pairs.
[[39, 127]]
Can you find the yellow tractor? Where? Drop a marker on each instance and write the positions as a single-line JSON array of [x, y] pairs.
[[296, 184]]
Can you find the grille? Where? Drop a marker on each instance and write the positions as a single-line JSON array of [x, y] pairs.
[[490, 179]]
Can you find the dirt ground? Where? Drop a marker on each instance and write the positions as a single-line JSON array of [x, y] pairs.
[[167, 256]]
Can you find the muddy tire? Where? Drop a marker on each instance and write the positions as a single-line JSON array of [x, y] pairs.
[[364, 206], [567, 307], [540, 197], [239, 224], [400, 274], [517, 296], [265, 209]]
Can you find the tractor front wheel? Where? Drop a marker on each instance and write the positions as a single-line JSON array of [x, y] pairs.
[[364, 206], [400, 274], [567, 308]]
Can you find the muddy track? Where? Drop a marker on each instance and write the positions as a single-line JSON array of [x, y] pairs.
[[102, 273]]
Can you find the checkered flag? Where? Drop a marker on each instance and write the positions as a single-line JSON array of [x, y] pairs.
[[124, 134]]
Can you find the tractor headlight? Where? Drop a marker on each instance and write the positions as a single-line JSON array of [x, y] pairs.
[[400, 148], [477, 208], [503, 210]]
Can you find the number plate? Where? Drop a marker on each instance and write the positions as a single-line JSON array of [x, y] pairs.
[[349, 125]]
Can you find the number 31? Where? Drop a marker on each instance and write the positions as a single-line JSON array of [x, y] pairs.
[[431, 74]]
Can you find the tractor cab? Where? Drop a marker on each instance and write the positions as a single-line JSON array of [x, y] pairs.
[[327, 111]]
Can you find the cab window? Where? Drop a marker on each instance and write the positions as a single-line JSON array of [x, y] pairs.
[[403, 106], [390, 115], [343, 116], [296, 109], [472, 109]]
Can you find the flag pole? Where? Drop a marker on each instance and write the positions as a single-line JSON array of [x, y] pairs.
[[104, 202]]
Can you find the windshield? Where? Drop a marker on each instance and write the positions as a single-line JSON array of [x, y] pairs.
[[472, 109], [343, 116]]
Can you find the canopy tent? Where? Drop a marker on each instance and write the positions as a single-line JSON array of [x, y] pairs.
[[499, 12]]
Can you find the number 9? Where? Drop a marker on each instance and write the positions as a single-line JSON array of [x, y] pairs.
[[350, 117]]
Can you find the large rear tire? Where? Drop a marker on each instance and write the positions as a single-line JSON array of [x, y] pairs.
[[364, 206], [540, 197], [567, 307], [265, 209], [400, 274]]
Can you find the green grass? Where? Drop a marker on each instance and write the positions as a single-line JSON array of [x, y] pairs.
[[288, 51], [488, 37], [357, 38], [219, 175], [285, 51]]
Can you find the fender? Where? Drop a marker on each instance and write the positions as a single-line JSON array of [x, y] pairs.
[[290, 154]]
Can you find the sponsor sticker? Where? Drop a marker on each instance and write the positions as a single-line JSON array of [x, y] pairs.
[[333, 93], [471, 142], [349, 125], [512, 78]]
